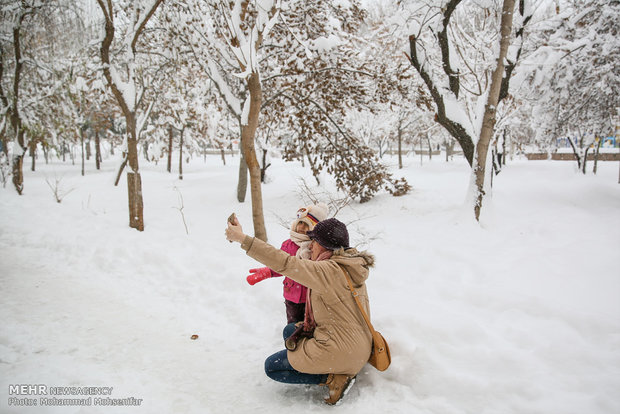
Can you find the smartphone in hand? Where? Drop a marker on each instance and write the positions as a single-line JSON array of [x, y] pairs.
[[231, 220]]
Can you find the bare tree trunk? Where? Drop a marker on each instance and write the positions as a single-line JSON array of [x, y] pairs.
[[495, 162], [97, 150], [400, 146], [449, 149], [249, 153], [263, 169], [170, 148], [503, 161], [16, 122], [46, 151], [596, 154], [18, 177], [120, 170], [496, 92], [454, 128], [585, 160], [577, 153], [33, 154], [223, 153], [430, 147], [242, 184], [421, 153], [87, 144], [488, 120], [303, 159], [134, 181], [181, 155], [134, 190], [82, 148], [3, 143]]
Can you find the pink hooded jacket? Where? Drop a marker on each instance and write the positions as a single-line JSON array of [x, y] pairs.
[[293, 291]]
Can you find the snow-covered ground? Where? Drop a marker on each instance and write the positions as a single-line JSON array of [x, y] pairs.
[[520, 314]]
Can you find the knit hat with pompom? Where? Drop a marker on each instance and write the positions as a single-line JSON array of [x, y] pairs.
[[311, 215]]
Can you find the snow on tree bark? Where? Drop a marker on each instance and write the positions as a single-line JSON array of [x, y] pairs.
[[575, 82], [459, 92], [126, 93], [12, 107], [481, 169], [248, 131]]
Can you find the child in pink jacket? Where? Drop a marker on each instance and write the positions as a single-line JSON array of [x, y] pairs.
[[298, 245]]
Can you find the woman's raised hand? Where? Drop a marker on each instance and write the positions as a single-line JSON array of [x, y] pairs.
[[234, 232]]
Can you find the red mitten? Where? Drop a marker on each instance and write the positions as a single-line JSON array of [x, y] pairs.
[[258, 274]]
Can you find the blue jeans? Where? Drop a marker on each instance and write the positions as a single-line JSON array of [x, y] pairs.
[[279, 369]]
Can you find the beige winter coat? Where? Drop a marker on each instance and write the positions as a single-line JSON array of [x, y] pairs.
[[342, 341]]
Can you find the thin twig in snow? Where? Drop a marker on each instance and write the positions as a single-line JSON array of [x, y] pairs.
[[181, 208]]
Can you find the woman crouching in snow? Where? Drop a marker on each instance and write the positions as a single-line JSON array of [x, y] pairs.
[[336, 343]]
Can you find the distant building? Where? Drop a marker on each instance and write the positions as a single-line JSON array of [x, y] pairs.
[[609, 142]]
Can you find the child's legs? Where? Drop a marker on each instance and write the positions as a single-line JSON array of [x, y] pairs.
[[294, 311], [279, 369]]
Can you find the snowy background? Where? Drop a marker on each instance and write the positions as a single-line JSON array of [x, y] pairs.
[[520, 314]]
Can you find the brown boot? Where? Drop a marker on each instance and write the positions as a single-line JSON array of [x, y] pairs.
[[338, 385]]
